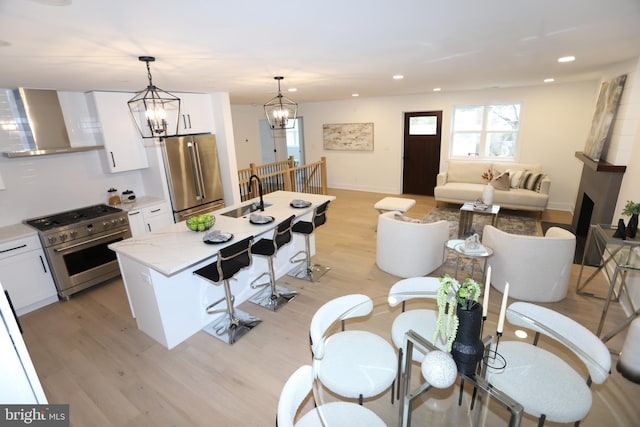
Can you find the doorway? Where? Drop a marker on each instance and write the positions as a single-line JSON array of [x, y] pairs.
[[421, 159], [279, 144]]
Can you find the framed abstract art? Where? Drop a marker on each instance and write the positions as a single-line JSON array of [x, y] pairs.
[[606, 109]]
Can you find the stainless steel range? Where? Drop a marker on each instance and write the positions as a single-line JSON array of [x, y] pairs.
[[76, 245]]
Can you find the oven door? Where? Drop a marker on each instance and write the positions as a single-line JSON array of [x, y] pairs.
[[78, 265]]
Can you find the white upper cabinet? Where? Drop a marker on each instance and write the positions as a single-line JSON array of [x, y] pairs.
[[196, 114], [83, 128], [123, 144]]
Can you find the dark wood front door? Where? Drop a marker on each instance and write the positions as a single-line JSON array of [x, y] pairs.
[[422, 132]]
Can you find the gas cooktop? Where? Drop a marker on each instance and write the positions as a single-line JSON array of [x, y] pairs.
[[62, 219]]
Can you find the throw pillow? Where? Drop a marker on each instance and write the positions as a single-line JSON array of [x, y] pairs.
[[501, 182], [531, 181], [516, 177]]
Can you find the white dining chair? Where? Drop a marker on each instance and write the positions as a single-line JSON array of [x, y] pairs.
[[546, 385], [423, 320], [296, 390], [354, 363]]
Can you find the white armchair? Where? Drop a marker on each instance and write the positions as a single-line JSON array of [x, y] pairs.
[[409, 249], [538, 268]]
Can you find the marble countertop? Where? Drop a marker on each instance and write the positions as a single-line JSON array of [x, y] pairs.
[[16, 231], [175, 247], [140, 203]]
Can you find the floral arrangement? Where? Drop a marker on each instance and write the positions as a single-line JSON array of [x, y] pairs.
[[487, 175], [631, 208], [452, 295]]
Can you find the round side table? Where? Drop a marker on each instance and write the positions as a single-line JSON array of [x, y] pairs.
[[457, 246]]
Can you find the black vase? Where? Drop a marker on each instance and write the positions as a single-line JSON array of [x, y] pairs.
[[467, 348], [632, 226]]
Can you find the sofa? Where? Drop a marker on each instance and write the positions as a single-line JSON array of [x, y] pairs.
[[525, 188]]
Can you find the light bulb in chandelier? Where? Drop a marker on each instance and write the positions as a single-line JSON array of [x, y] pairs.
[[156, 117]]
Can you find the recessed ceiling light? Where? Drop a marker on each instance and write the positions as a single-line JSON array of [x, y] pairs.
[[567, 59], [398, 77], [437, 89], [355, 95], [549, 80], [292, 89]]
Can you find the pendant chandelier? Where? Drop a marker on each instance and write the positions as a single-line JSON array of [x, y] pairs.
[[154, 111], [281, 111]]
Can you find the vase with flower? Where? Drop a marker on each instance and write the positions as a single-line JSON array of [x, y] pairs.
[[488, 191], [632, 209], [460, 321]]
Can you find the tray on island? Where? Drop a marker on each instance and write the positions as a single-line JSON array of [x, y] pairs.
[[217, 237], [260, 219], [299, 204]]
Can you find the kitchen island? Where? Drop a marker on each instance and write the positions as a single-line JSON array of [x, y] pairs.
[[167, 300]]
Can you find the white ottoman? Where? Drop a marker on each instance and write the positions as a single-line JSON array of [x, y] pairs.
[[394, 204]]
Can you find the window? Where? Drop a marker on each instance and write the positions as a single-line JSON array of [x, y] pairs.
[[423, 125], [485, 131]]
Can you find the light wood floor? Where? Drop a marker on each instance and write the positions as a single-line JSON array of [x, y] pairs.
[[89, 353]]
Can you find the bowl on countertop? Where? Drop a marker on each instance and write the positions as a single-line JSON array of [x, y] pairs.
[[200, 222]]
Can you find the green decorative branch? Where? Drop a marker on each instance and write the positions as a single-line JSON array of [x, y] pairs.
[[451, 296]]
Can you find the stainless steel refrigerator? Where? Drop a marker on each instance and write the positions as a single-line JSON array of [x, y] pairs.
[[193, 174]]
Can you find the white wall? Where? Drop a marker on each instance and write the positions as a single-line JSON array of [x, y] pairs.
[[246, 129], [37, 186], [556, 119], [624, 149], [42, 185]]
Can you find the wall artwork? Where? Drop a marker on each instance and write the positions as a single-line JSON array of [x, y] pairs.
[[348, 136], [606, 108]]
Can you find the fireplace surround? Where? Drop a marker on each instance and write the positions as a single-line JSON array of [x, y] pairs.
[[597, 196], [597, 193]]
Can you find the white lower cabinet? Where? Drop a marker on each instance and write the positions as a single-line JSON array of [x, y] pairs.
[[149, 218], [25, 274], [20, 383]]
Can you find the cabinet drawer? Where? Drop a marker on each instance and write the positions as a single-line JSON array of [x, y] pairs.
[[159, 209], [19, 246]]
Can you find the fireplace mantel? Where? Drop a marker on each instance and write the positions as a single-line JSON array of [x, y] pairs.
[[600, 166]]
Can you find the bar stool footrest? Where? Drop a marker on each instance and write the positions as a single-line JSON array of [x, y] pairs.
[[312, 273], [229, 329], [273, 302]]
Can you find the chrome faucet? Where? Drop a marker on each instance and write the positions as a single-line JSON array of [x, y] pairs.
[[259, 190]]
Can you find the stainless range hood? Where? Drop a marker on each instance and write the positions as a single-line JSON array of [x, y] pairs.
[[38, 117]]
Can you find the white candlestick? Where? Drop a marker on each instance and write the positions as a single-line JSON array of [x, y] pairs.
[[485, 299], [503, 309]]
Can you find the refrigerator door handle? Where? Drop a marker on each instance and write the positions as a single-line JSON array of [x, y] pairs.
[[195, 169], [200, 174]]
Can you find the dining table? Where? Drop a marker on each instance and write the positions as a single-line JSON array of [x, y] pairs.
[[411, 400]]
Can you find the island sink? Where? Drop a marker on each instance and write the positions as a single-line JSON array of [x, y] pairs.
[[244, 210]]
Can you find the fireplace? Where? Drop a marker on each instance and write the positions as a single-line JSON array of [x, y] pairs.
[[597, 198], [597, 194]]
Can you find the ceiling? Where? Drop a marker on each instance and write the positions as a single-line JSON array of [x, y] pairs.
[[328, 49]]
